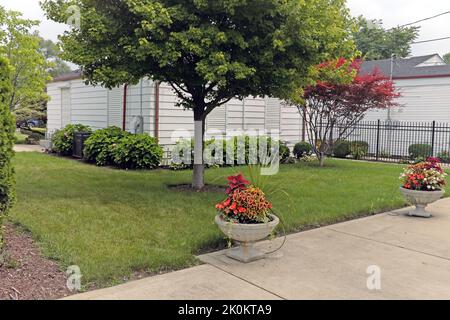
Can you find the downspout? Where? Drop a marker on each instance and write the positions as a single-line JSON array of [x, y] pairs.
[[124, 108], [157, 84]]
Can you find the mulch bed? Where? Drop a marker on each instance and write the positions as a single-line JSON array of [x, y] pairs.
[[25, 274]]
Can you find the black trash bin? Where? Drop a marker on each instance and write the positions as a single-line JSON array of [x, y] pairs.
[[78, 143]]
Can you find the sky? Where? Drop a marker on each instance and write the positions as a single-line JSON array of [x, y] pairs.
[[392, 12]]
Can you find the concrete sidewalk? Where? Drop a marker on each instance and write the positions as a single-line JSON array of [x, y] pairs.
[[28, 148], [413, 255]]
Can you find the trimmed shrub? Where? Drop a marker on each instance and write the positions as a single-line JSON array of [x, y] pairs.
[[98, 147], [302, 149], [422, 151], [342, 149], [63, 139], [359, 149], [7, 128], [184, 144], [138, 151], [285, 152], [444, 156]]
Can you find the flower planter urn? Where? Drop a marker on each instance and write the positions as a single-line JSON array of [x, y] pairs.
[[421, 199], [245, 235]]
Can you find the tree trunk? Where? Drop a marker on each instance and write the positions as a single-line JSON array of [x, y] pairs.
[[198, 180], [322, 159]]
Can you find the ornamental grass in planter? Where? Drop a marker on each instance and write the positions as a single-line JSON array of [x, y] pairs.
[[423, 184], [245, 216]]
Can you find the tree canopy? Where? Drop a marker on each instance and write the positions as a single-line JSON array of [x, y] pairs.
[[375, 42], [29, 67], [209, 51], [447, 58], [52, 54], [339, 99]]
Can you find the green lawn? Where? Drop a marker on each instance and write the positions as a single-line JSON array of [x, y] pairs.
[[112, 223]]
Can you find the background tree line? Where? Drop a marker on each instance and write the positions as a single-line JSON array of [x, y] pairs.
[[33, 60]]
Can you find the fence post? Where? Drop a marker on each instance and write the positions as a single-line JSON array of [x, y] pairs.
[[433, 134], [378, 139]]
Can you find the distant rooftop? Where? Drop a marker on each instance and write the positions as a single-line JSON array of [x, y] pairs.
[[429, 66], [68, 76]]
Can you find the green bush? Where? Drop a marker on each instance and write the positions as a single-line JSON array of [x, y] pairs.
[[302, 149], [63, 139], [384, 154], [420, 151], [285, 152], [184, 144], [359, 149], [138, 151], [7, 129], [342, 149], [35, 135], [98, 147], [444, 156], [32, 135], [20, 138]]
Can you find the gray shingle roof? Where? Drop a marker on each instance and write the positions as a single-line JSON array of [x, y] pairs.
[[68, 76], [405, 68]]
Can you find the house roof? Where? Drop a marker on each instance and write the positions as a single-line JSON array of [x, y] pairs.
[[430, 66], [68, 76]]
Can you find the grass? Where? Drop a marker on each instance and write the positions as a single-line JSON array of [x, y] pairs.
[[112, 223]]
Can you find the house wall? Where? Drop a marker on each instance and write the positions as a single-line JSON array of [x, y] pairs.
[[99, 108], [422, 100]]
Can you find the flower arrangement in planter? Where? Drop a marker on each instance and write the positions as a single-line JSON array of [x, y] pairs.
[[423, 184], [245, 217]]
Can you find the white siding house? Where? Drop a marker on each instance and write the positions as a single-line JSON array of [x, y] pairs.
[[424, 85], [72, 101]]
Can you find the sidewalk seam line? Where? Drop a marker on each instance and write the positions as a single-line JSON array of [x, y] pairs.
[[247, 281], [389, 244]]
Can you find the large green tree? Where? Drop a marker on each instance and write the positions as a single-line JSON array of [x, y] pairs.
[[52, 53], [209, 51], [29, 67], [375, 42], [447, 58]]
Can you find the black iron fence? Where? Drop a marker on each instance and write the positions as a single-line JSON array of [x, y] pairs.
[[398, 141]]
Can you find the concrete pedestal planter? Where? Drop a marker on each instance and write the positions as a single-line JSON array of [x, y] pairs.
[[246, 235], [421, 199]]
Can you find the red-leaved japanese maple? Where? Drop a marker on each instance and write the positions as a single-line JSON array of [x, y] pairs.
[[340, 99]]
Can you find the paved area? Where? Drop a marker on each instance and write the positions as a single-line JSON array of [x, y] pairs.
[[412, 255], [27, 148]]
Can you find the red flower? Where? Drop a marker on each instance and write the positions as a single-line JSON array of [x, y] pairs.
[[236, 182]]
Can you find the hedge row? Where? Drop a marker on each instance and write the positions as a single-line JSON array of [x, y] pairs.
[[111, 147], [182, 162], [7, 128]]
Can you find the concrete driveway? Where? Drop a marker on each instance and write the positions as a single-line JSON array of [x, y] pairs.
[[388, 256]]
